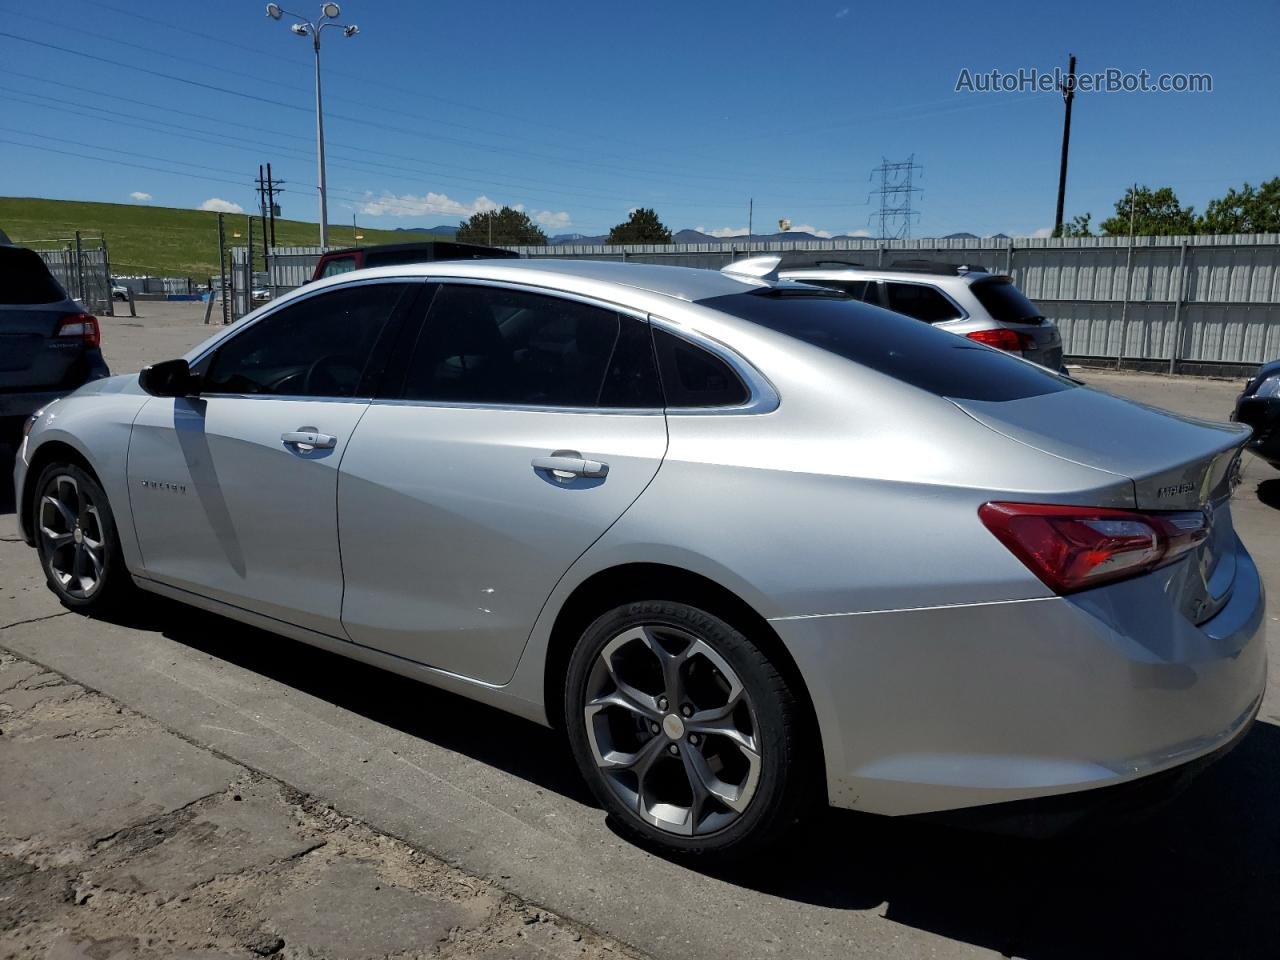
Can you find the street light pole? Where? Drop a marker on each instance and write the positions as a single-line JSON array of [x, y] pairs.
[[329, 13]]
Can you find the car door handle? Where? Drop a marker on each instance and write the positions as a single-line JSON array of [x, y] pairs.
[[306, 440], [566, 467]]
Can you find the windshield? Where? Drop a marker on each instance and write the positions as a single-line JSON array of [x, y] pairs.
[[942, 363], [1005, 302]]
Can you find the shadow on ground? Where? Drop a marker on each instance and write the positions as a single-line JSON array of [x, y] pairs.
[[1269, 493], [1202, 878]]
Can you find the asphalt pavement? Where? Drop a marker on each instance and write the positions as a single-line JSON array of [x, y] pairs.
[[497, 799]]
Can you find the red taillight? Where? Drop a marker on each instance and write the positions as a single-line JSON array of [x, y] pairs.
[[83, 326], [1074, 548], [1003, 339]]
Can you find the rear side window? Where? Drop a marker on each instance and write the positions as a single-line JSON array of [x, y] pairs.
[[1005, 302], [855, 288], [692, 377], [24, 279], [338, 265], [495, 345], [920, 301], [933, 360]]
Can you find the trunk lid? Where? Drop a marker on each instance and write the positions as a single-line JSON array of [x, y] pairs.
[[31, 355], [1174, 463]]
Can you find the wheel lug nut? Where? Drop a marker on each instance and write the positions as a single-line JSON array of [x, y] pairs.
[[673, 750], [662, 703], [653, 727], [687, 710], [693, 738]]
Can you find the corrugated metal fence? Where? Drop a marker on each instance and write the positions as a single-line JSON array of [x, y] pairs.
[[1192, 300], [81, 268]]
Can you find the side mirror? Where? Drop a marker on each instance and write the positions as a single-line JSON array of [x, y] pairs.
[[172, 378]]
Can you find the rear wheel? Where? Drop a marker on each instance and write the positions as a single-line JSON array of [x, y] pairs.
[[76, 539], [685, 731]]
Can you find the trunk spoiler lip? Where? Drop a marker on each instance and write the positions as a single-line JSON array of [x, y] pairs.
[[1169, 482]]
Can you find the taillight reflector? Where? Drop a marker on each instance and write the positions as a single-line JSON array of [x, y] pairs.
[[81, 325], [1074, 548]]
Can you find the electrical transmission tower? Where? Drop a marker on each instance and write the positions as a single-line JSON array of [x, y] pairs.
[[896, 193]]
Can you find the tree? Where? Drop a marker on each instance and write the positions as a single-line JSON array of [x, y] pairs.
[[1245, 210], [1155, 213], [505, 227], [643, 226], [1077, 226]]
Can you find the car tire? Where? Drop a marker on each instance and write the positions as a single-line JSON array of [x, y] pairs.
[[686, 731], [77, 540]]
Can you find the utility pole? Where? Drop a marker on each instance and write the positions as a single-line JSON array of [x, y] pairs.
[[1068, 91], [273, 187], [751, 210], [222, 269]]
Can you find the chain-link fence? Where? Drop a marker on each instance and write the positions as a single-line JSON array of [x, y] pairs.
[[81, 265]]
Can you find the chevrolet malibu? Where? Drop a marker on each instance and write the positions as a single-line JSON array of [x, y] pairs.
[[753, 546]]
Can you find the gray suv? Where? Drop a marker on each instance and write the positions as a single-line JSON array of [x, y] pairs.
[[49, 345], [966, 300]]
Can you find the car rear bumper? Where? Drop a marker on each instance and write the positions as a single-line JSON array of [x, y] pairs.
[[946, 708]]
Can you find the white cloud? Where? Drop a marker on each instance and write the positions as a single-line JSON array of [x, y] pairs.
[[1043, 232], [139, 195], [409, 205], [723, 231], [810, 228], [842, 13], [860, 232], [218, 205], [556, 221]]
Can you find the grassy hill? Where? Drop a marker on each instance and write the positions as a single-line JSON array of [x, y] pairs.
[[162, 241]]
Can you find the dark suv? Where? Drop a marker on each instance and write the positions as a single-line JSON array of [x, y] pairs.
[[391, 254], [48, 344]]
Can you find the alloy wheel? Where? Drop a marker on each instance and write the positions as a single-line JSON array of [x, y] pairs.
[[672, 729], [74, 539]]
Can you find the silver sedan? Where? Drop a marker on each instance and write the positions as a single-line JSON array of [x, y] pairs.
[[754, 546]]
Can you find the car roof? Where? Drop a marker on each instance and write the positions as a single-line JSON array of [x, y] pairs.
[[682, 283]]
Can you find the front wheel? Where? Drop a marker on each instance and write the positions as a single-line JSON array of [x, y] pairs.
[[76, 539], [686, 731]]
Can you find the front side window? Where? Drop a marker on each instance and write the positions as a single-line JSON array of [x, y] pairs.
[[920, 301], [317, 347], [484, 344]]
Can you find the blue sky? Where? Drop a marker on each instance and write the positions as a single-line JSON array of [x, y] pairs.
[[578, 112]]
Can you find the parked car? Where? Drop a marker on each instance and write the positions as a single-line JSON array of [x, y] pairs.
[[752, 546], [118, 290], [967, 300], [1259, 406], [49, 346], [355, 258], [260, 294]]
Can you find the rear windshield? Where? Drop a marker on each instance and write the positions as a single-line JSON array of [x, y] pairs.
[[24, 279], [942, 363], [1005, 302]]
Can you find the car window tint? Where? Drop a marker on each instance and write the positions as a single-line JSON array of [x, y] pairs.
[[317, 347], [484, 344], [632, 379], [24, 279], [692, 377], [855, 288], [1005, 302], [338, 265], [925, 357], [920, 301]]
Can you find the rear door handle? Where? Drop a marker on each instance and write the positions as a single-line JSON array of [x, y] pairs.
[[566, 467], [307, 440]]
